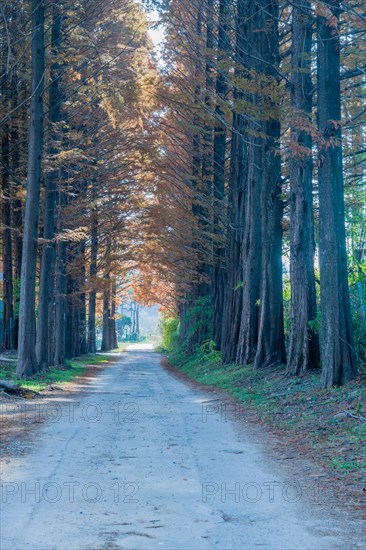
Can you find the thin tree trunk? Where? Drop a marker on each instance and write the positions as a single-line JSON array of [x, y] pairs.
[[8, 310], [113, 334], [82, 344], [198, 319], [337, 351], [106, 341], [17, 206], [92, 346], [71, 328], [60, 292], [60, 304], [27, 361], [304, 343], [138, 320], [219, 162]]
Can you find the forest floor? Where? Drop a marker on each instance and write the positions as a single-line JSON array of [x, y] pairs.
[[326, 426], [133, 456]]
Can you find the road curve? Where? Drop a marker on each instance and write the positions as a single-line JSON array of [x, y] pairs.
[[142, 460]]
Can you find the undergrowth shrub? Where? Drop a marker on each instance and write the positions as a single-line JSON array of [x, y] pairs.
[[170, 333]]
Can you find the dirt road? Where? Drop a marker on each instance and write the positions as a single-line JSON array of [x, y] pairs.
[[142, 460]]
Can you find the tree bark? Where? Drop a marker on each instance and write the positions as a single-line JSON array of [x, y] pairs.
[[71, 335], [106, 333], [271, 340], [7, 249], [304, 342], [337, 351], [82, 344], [198, 321], [234, 292], [60, 304], [92, 345], [48, 248], [251, 17], [113, 334], [219, 162], [233, 300], [27, 361], [17, 206]]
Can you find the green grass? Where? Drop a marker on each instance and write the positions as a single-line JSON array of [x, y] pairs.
[[343, 465], [53, 376]]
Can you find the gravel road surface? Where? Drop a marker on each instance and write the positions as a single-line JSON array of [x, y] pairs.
[[142, 460]]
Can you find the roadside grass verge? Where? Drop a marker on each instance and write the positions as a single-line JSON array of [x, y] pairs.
[[329, 425], [56, 375]]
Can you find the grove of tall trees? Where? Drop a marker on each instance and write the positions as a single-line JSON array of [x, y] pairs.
[[261, 181], [225, 173], [76, 108]]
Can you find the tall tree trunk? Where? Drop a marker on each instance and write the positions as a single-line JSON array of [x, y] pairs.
[[337, 353], [251, 19], [7, 256], [27, 361], [83, 325], [17, 206], [198, 307], [183, 321], [76, 301], [138, 319], [233, 298], [113, 334], [106, 341], [70, 329], [219, 161], [60, 291], [60, 304], [48, 248], [92, 346], [234, 292], [304, 343], [271, 340]]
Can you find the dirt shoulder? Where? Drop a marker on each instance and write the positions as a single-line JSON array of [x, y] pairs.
[[21, 415]]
